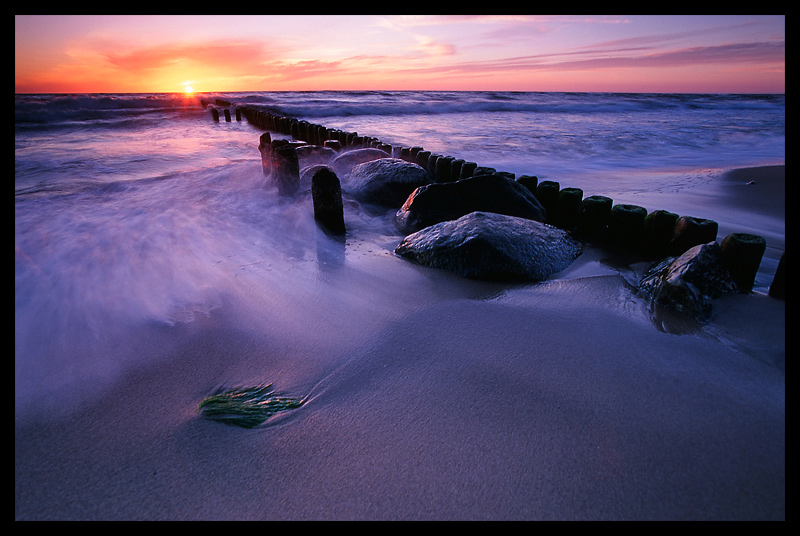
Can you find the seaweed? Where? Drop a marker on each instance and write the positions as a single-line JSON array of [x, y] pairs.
[[247, 406]]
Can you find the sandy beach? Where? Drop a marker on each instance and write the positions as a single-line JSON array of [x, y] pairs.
[[432, 397]]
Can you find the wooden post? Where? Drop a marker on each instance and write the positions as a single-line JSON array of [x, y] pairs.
[[326, 192], [741, 255]]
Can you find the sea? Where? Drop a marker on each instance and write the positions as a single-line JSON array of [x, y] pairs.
[[135, 209]]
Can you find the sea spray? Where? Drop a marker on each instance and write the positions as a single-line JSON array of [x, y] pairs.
[[137, 214]]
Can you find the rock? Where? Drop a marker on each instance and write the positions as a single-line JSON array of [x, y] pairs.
[[688, 283], [307, 173], [438, 202], [310, 155], [347, 160], [326, 193], [485, 245], [386, 181]]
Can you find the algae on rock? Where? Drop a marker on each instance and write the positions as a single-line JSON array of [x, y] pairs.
[[247, 406]]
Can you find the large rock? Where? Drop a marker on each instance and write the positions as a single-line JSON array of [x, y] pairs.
[[310, 155], [688, 283], [485, 245], [345, 162], [439, 202], [386, 181]]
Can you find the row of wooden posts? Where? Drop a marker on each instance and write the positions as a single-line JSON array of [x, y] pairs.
[[594, 218]]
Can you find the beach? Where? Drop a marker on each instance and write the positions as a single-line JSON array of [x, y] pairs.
[[430, 396]]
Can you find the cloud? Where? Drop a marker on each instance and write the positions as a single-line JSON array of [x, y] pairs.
[[230, 55], [758, 53]]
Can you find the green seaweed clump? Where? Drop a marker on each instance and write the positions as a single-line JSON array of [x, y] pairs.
[[247, 406]]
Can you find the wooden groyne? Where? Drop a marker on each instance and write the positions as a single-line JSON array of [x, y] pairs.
[[596, 219], [225, 106]]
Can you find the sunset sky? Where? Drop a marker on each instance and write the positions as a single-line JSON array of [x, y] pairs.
[[143, 54]]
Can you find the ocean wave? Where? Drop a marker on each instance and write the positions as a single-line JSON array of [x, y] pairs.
[[53, 109], [321, 104]]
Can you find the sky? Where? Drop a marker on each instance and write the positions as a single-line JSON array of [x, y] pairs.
[[215, 53]]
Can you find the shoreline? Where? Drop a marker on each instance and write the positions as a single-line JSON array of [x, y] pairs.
[[438, 398]]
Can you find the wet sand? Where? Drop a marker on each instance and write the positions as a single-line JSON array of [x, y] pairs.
[[431, 397]]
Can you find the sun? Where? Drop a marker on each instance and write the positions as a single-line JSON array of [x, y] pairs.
[[188, 90]]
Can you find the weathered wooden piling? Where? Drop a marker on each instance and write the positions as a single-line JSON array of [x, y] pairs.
[[215, 114], [547, 194], [690, 231], [568, 208], [778, 287], [265, 148], [529, 181], [227, 113], [659, 227], [455, 169], [443, 164], [422, 160], [467, 170], [741, 255], [286, 170], [326, 193], [594, 217], [336, 145], [626, 226]]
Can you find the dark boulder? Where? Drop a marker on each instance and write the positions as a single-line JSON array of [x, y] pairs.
[[310, 155], [307, 173], [688, 283], [439, 202], [485, 245], [386, 181], [347, 160]]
